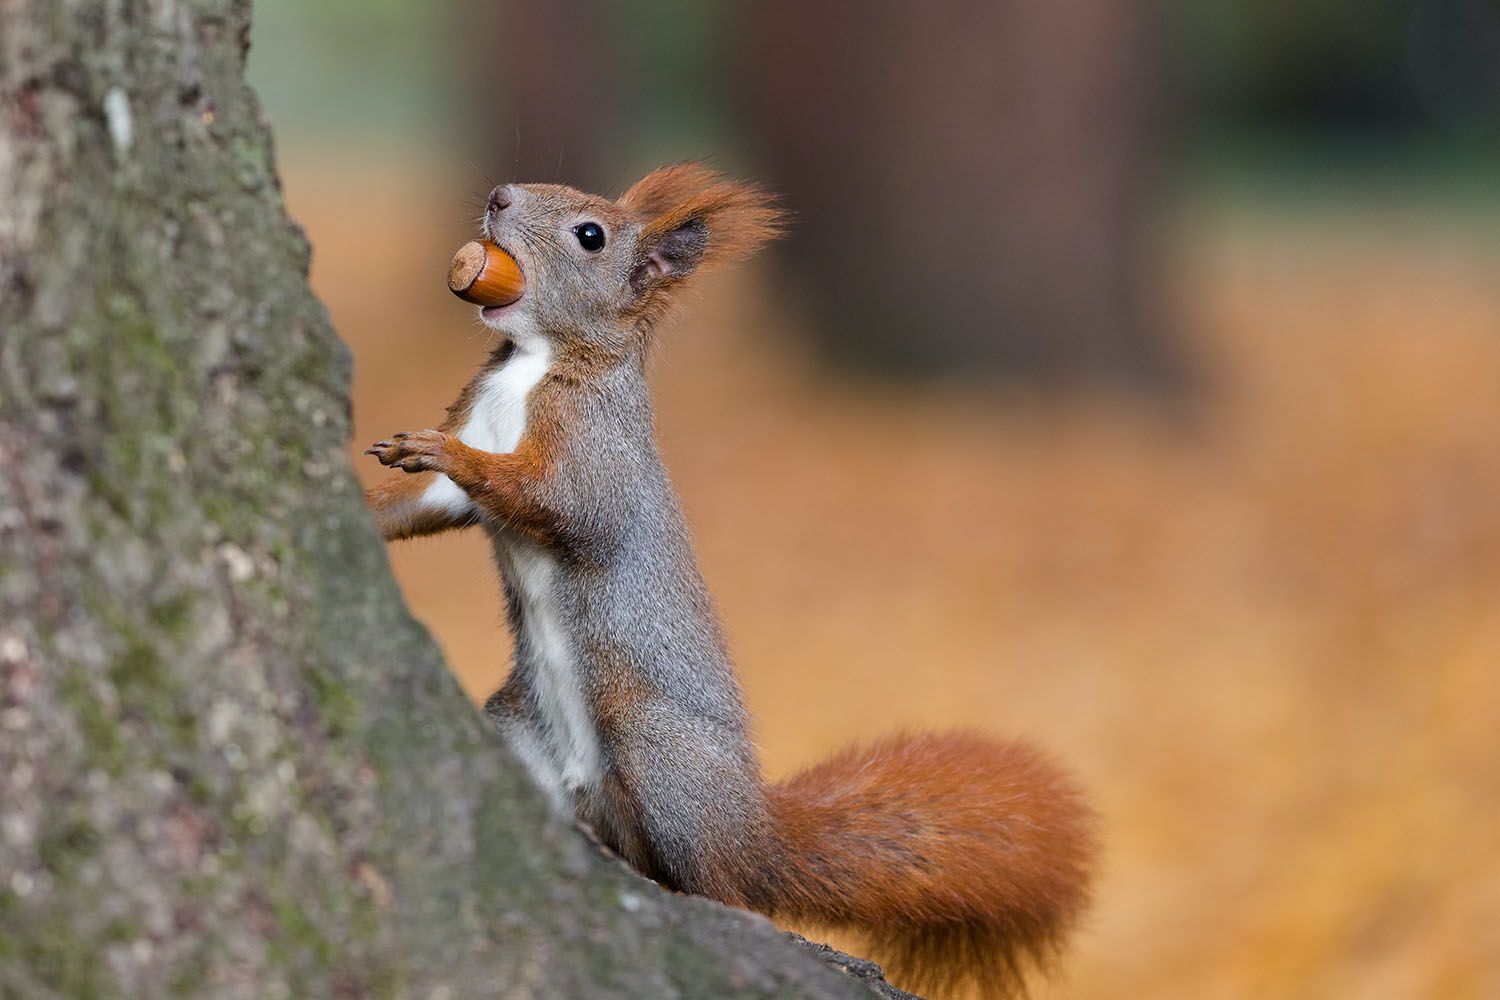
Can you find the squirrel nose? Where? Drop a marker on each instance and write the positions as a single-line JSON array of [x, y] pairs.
[[500, 198]]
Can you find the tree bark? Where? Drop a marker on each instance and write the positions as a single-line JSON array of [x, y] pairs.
[[231, 764]]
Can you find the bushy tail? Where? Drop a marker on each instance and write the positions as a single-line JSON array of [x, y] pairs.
[[961, 860]]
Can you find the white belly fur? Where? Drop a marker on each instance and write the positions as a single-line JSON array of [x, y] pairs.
[[554, 677], [497, 419], [497, 416]]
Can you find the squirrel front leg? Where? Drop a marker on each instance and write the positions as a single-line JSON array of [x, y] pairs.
[[510, 489], [411, 506]]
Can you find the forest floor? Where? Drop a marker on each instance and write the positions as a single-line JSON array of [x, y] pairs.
[[1264, 628]]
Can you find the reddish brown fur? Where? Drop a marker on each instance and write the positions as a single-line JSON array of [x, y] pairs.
[[510, 487], [665, 188], [960, 858], [397, 497], [739, 218]]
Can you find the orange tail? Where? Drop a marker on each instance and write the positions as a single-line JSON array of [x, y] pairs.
[[961, 860]]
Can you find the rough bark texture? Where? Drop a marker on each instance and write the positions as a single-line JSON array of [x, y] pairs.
[[230, 762]]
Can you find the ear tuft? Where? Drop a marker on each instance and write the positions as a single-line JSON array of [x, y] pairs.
[[693, 217], [667, 187]]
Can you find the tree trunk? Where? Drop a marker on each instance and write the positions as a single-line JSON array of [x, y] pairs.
[[231, 764]]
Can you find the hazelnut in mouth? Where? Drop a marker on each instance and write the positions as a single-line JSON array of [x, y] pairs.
[[485, 275]]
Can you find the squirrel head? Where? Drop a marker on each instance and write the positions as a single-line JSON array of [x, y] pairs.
[[601, 273]]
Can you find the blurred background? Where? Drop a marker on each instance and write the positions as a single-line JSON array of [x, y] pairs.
[[1130, 381]]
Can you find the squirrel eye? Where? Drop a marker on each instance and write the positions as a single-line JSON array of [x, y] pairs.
[[590, 236]]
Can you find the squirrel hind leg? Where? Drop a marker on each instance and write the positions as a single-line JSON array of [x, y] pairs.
[[510, 712], [697, 820]]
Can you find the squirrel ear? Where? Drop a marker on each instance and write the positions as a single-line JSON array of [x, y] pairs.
[[673, 254], [693, 217]]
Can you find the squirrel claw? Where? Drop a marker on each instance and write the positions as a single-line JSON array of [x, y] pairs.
[[412, 451]]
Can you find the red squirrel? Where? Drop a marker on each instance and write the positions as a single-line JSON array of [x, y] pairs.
[[961, 860]]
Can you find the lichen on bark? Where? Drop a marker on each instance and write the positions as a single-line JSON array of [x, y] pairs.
[[231, 764]]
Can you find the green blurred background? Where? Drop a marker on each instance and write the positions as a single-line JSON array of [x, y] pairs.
[[1129, 380], [1405, 84]]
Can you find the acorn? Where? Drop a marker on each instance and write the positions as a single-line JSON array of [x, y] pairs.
[[485, 275]]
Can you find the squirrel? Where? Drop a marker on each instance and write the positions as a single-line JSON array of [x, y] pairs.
[[961, 860]]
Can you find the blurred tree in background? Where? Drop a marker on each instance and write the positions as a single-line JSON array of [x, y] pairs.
[[1389, 70], [557, 70], [974, 180]]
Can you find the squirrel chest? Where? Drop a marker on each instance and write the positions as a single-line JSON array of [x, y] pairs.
[[569, 759]]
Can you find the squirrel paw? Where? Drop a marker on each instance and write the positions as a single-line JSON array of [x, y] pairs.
[[413, 451]]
